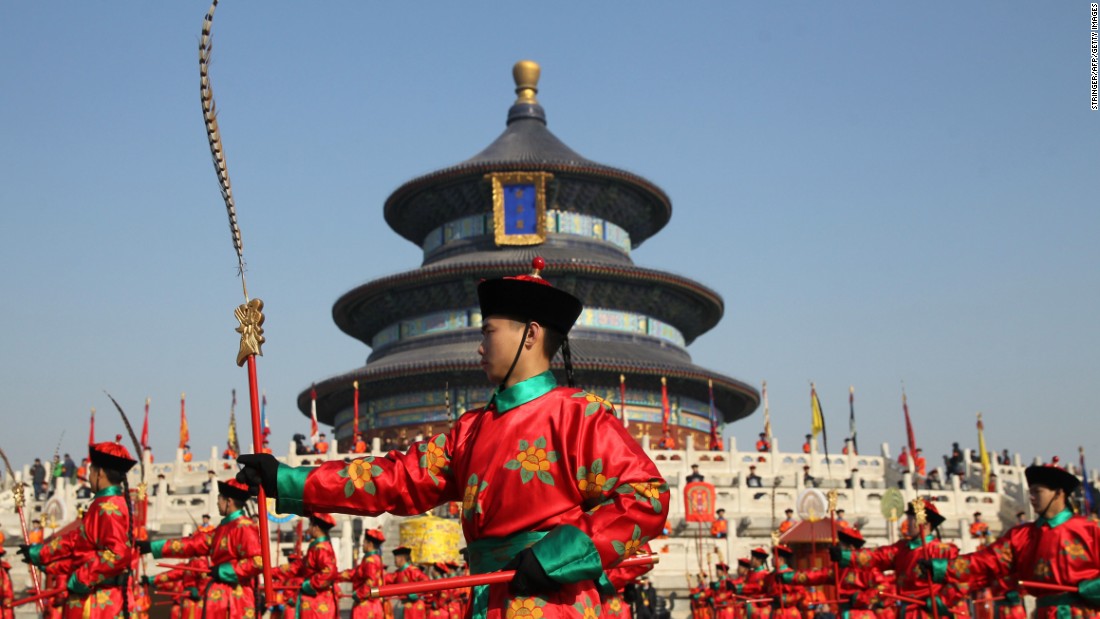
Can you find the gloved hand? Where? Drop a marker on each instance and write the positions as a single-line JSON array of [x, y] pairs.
[[836, 553], [530, 579], [193, 593], [925, 567], [146, 580], [25, 552], [144, 546], [260, 470], [223, 573]]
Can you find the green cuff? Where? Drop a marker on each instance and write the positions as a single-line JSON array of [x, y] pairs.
[[940, 606], [1090, 590], [939, 570], [307, 588], [786, 577], [568, 555], [193, 593], [35, 554], [1013, 597], [76, 586], [291, 484], [223, 572], [845, 558], [412, 597], [156, 548]]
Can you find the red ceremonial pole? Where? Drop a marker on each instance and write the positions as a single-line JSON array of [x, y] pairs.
[[355, 422], [474, 580], [185, 568], [922, 519], [905, 598], [832, 523], [261, 499], [38, 597], [1048, 586], [18, 497]]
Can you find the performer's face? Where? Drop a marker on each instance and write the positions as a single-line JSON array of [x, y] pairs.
[[500, 339], [1044, 498], [225, 506], [96, 479], [400, 560]]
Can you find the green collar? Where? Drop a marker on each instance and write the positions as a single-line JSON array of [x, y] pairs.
[[1062, 516], [402, 568], [318, 540], [109, 491], [370, 553], [916, 543], [759, 568], [231, 517], [524, 391]]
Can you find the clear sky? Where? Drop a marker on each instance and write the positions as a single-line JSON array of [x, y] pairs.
[[881, 192]]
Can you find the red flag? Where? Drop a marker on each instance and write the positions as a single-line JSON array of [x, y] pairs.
[[664, 406], [908, 426], [185, 434], [355, 422], [715, 440], [145, 427], [91, 429]]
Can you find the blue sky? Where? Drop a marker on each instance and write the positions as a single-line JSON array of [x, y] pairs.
[[880, 192]]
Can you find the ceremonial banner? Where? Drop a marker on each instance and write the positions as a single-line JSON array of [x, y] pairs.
[[699, 501], [145, 428], [314, 432], [185, 433], [91, 428], [986, 469], [767, 414], [852, 418], [431, 539], [909, 426]]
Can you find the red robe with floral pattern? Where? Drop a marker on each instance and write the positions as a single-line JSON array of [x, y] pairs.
[[95, 557], [1064, 550], [854, 584], [542, 466], [7, 592], [412, 605], [369, 573], [318, 569], [234, 544], [912, 580], [756, 587], [189, 584]]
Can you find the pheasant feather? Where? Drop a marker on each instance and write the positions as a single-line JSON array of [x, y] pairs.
[[7, 466], [214, 136], [133, 435]]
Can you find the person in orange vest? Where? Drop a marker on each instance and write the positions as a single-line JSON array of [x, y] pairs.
[[720, 527], [763, 444], [37, 533], [807, 446], [789, 522], [206, 526], [359, 446], [979, 530], [187, 453], [919, 463], [322, 445]]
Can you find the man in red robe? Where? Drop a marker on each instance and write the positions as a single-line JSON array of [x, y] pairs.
[[857, 596], [96, 556], [1058, 548], [409, 606], [754, 589], [368, 574], [7, 591], [317, 571], [186, 587], [551, 483], [907, 559], [233, 549]]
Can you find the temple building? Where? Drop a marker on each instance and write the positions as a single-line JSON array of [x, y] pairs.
[[527, 194]]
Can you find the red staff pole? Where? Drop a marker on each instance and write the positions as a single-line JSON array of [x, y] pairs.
[[38, 597], [903, 598], [261, 499], [185, 568], [1049, 586], [836, 540], [922, 519], [459, 582], [19, 498]]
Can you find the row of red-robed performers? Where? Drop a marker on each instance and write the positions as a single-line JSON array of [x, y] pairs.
[[805, 586]]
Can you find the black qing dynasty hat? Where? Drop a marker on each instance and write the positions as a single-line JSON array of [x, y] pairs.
[[1052, 476], [111, 456], [530, 297], [233, 489]]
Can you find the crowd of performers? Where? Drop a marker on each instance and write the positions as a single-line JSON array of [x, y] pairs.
[[551, 486], [1056, 559]]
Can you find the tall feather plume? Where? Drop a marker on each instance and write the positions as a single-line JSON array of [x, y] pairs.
[[214, 136], [133, 435]]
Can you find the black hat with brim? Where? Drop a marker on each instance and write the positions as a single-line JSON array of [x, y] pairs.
[[402, 550], [1053, 477], [233, 492], [116, 460], [527, 298]]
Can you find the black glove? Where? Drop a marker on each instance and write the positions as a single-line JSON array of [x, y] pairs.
[[836, 553], [146, 580], [530, 578], [144, 547], [260, 470], [25, 552], [925, 565]]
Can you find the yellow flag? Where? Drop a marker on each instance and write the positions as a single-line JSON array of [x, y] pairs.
[[985, 454], [818, 421]]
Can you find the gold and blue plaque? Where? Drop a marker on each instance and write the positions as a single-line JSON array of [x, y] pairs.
[[519, 207]]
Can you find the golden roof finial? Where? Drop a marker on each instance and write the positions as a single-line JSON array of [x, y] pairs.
[[526, 75]]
